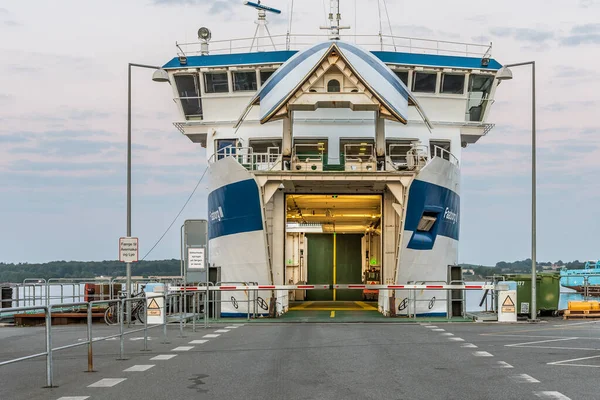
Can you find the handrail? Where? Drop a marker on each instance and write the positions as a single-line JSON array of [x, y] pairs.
[[441, 152], [249, 159], [370, 42]]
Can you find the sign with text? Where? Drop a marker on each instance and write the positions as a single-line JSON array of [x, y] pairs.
[[128, 249], [196, 259], [155, 308]]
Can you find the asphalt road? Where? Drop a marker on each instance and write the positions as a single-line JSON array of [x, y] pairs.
[[317, 361]]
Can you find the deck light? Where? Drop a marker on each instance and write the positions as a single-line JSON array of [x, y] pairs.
[[160, 75], [504, 74]]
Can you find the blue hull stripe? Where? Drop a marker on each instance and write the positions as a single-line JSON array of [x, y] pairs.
[[436, 201], [234, 208]]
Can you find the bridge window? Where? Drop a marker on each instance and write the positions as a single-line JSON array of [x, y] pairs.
[[244, 81], [424, 82], [403, 75], [480, 87], [189, 95], [453, 84], [216, 82], [333, 86], [264, 75]]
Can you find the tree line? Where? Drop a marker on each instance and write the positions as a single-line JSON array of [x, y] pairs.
[[16, 273]]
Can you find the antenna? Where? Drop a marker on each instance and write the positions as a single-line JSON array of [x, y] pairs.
[[261, 24], [334, 20]]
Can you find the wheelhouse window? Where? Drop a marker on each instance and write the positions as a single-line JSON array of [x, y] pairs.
[[265, 75], [403, 75], [244, 81], [216, 82], [453, 84], [333, 86], [424, 82], [480, 87], [189, 95]]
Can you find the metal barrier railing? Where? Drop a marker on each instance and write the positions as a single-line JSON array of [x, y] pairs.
[[89, 306]]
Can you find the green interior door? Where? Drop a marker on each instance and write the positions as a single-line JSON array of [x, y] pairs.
[[319, 265], [348, 265]]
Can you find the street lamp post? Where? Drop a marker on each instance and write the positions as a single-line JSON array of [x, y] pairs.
[[159, 75], [505, 74]]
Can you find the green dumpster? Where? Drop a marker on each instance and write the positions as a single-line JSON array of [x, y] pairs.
[[548, 291]]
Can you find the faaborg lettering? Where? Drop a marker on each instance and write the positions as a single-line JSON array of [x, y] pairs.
[[451, 216], [216, 215]]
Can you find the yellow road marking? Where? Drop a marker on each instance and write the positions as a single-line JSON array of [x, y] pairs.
[[303, 305], [329, 309], [332, 315], [365, 306]]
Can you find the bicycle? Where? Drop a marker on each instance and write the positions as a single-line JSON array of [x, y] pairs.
[[113, 312]]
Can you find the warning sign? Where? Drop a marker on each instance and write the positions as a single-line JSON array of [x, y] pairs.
[[153, 308], [508, 306]]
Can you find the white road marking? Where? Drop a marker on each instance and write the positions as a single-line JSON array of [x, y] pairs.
[[569, 362], [198, 341], [469, 346], [539, 341], [107, 382], [138, 368], [222, 331], [524, 378], [566, 326], [438, 330], [457, 339], [447, 334], [232, 327], [482, 354], [551, 395], [431, 327], [163, 357], [211, 335], [504, 364], [183, 348], [139, 338], [74, 398]]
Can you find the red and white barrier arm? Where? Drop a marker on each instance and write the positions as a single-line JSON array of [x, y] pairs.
[[224, 288]]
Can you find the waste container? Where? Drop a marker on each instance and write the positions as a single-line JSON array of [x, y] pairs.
[[547, 291]]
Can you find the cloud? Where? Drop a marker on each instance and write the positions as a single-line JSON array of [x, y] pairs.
[[588, 3], [582, 34], [3, 11], [524, 34], [12, 23]]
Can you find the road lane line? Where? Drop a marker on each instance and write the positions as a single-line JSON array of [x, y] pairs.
[[456, 339], [211, 335], [438, 330], [107, 382], [524, 378], [539, 341], [447, 334], [504, 364], [568, 362], [183, 348], [163, 357], [482, 354], [551, 395], [74, 398], [198, 341], [138, 368], [232, 327], [469, 346], [222, 331], [332, 315]]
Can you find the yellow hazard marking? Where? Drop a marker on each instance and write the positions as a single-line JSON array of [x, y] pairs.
[[332, 315], [153, 305], [508, 302], [365, 306]]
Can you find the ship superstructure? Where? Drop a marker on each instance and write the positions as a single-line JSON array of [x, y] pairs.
[[335, 158]]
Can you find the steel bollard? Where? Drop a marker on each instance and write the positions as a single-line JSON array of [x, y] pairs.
[[194, 312], [89, 332], [121, 330], [145, 325], [49, 377]]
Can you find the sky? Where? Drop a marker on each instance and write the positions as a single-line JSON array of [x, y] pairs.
[[63, 107]]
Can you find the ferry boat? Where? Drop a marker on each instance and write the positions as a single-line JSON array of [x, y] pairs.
[[331, 156], [585, 281]]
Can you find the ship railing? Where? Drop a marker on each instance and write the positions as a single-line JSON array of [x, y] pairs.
[[269, 161], [360, 157], [382, 42], [445, 154], [417, 157]]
